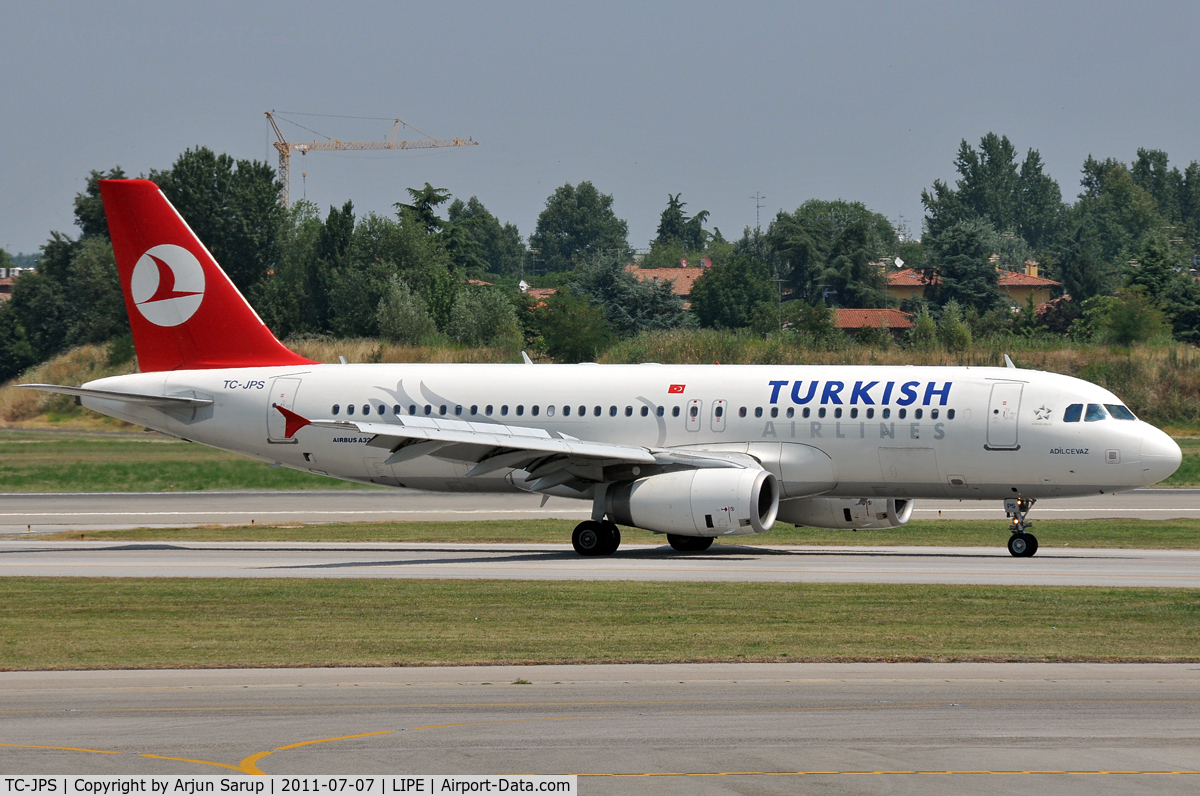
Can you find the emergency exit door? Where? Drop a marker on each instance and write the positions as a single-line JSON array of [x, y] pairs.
[[1003, 410], [283, 393]]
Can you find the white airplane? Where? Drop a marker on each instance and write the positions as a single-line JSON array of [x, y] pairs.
[[694, 452]]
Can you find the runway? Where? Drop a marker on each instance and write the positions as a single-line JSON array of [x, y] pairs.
[[723, 563], [702, 728], [51, 512]]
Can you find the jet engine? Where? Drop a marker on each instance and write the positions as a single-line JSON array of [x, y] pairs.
[[825, 512], [706, 502]]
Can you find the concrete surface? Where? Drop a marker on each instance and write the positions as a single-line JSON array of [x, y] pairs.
[[669, 729], [47, 512], [1060, 566]]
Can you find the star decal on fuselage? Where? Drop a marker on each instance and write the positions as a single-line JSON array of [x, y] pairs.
[[1042, 412]]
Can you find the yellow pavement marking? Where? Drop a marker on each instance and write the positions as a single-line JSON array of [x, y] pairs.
[[250, 764], [191, 760], [63, 748]]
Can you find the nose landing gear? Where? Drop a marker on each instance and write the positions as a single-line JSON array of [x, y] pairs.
[[1021, 543]]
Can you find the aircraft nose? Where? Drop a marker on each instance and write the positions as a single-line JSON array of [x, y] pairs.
[[1160, 456]]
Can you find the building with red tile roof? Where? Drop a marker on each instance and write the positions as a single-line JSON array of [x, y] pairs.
[[1016, 285], [851, 320], [681, 279]]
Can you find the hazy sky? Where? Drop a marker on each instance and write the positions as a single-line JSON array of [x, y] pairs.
[[862, 101]]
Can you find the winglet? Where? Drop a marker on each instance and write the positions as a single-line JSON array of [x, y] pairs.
[[525, 357], [1009, 362], [294, 421]]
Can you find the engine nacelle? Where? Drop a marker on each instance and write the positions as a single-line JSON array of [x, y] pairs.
[[825, 512], [710, 502]]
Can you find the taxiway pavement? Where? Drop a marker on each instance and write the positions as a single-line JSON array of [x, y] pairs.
[[661, 729], [52, 512], [1059, 566]]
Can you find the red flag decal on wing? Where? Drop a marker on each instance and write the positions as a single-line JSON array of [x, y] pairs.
[[676, 388]]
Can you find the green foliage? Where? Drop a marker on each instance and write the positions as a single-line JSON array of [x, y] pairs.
[[725, 295], [484, 318], [827, 248], [674, 226], [89, 209], [402, 316], [573, 329], [578, 222], [232, 205], [953, 331], [957, 265], [924, 333], [499, 246], [631, 306]]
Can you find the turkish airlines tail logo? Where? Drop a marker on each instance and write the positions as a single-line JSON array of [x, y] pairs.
[[167, 285]]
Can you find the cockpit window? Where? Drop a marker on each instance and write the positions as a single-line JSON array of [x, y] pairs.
[[1073, 413], [1094, 412], [1119, 412]]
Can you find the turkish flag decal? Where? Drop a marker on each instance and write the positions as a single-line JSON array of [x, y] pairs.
[[676, 388]]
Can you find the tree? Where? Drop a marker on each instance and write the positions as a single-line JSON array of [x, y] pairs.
[[953, 331], [89, 208], [402, 316], [578, 222], [631, 306], [572, 329], [231, 205], [957, 266], [424, 205], [726, 295], [484, 318], [499, 247], [991, 186], [674, 226]]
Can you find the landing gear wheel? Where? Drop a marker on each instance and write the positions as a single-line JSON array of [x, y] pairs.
[[613, 540], [689, 544], [1022, 545], [589, 538]]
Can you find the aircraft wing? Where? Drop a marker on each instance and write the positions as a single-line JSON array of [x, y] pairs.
[[128, 397], [548, 459]]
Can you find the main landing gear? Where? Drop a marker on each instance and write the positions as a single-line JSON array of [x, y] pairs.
[[1021, 544], [689, 544], [592, 538]]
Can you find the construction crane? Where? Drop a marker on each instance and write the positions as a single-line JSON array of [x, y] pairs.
[[286, 148]]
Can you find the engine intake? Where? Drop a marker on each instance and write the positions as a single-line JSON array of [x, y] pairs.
[[709, 502], [823, 512]]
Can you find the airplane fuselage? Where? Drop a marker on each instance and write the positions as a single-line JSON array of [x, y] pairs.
[[841, 431]]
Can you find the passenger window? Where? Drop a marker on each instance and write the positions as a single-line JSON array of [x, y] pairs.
[[612, 411], [919, 413], [1073, 413], [837, 412], [774, 411], [583, 411], [549, 411], [442, 409], [933, 413], [520, 409], [791, 412], [720, 410], [1094, 412], [504, 410], [534, 410], [629, 411], [474, 410], [458, 411], [806, 411], [821, 412], [381, 409], [661, 411], [596, 411], [1119, 412], [870, 414], [488, 411], [428, 409], [758, 411], [694, 411], [645, 411], [566, 411], [396, 409], [887, 413], [336, 409], [675, 411], [742, 412], [350, 409], [366, 409], [949, 414], [903, 413]]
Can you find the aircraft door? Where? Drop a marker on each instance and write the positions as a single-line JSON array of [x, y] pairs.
[[1002, 416], [283, 393], [693, 415], [719, 409]]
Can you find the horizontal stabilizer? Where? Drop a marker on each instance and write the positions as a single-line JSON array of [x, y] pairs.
[[128, 397]]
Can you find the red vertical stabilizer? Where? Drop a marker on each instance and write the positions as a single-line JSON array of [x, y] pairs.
[[184, 312]]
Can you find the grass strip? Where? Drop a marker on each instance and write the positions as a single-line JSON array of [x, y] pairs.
[[1180, 534], [85, 623]]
